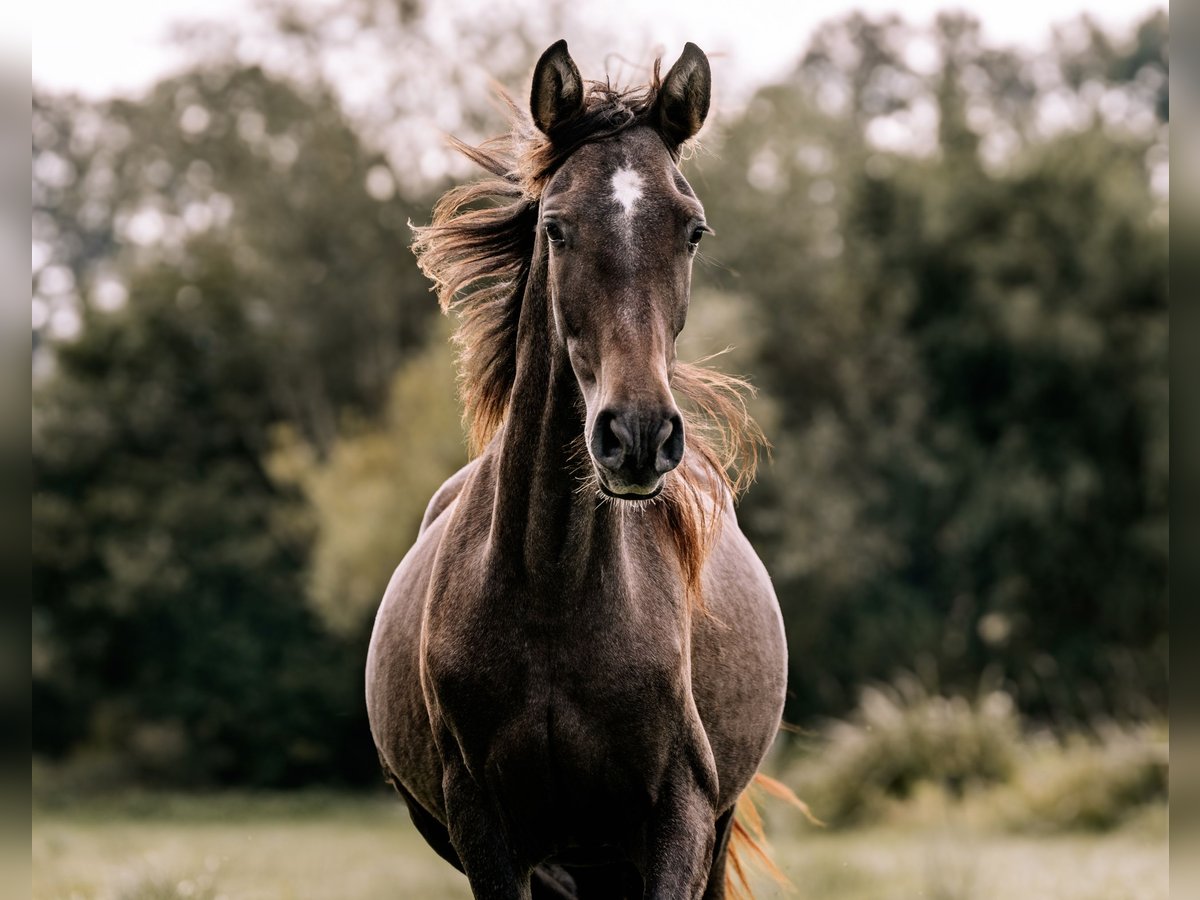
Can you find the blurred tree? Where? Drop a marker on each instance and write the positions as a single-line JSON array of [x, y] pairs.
[[967, 360], [410, 71], [315, 227], [233, 258], [170, 626], [368, 497]]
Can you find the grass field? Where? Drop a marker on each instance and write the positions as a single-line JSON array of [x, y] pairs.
[[248, 847]]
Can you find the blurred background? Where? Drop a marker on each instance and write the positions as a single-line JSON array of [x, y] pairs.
[[941, 255]]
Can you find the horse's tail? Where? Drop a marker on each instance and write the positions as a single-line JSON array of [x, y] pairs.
[[748, 847]]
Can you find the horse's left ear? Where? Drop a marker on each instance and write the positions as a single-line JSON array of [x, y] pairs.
[[684, 96], [557, 93]]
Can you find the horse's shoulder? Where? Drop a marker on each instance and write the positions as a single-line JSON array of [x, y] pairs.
[[445, 496]]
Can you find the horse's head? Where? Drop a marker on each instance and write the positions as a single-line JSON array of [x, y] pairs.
[[621, 226]]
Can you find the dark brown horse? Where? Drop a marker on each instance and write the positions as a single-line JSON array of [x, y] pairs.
[[580, 664]]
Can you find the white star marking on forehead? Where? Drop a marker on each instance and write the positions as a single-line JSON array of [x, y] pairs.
[[627, 188]]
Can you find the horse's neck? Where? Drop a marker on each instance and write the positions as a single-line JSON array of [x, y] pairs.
[[544, 520]]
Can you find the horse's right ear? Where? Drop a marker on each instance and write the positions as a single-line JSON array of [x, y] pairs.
[[557, 93], [683, 99]]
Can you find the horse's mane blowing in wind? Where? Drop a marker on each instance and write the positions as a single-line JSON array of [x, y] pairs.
[[478, 252]]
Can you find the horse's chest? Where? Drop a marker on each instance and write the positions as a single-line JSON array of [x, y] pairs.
[[559, 714], [506, 672]]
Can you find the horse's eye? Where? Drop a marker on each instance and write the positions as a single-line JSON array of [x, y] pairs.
[[697, 233], [554, 233]]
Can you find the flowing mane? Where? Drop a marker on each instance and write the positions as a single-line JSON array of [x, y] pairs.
[[478, 252]]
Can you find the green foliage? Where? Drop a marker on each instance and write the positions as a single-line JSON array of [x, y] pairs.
[[312, 229], [909, 755], [170, 626], [369, 496], [225, 252], [1081, 783], [966, 358], [902, 737]]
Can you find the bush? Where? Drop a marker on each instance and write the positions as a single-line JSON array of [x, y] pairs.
[[902, 736], [911, 754], [1086, 784]]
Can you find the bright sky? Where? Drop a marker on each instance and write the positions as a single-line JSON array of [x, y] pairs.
[[104, 48]]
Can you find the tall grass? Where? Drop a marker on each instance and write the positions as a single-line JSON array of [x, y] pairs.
[[160, 886]]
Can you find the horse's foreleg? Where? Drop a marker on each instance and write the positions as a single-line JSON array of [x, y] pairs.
[[476, 836], [716, 873], [680, 849]]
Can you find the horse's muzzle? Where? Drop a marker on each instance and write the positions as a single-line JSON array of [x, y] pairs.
[[633, 450]]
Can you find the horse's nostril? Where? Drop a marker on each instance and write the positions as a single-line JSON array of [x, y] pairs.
[[670, 445], [637, 445], [609, 440]]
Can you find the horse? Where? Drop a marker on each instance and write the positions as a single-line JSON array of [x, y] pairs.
[[579, 666]]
